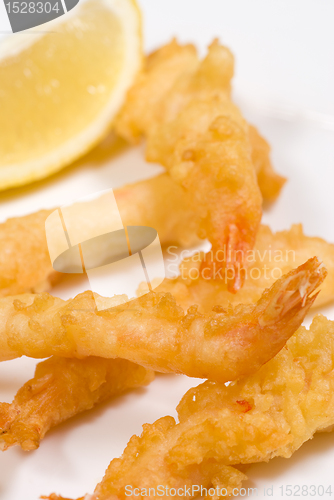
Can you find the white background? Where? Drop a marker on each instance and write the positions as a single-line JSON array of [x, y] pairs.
[[284, 84]]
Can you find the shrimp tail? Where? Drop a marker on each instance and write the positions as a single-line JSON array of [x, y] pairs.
[[233, 268], [291, 294], [282, 308]]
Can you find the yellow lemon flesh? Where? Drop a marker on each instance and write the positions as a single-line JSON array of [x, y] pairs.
[[60, 89]]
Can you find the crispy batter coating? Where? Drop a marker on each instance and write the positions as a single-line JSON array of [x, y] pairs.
[[145, 106], [223, 478], [201, 138], [206, 294], [144, 101], [294, 389], [24, 257], [185, 299], [271, 413], [160, 203], [60, 389], [195, 131], [25, 263], [148, 461], [274, 254], [154, 331], [270, 182]]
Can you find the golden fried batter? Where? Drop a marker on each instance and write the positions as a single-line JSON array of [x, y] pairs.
[[160, 202], [25, 263], [270, 182], [161, 70], [154, 331], [295, 389], [274, 254], [271, 413], [201, 138], [24, 257], [208, 294], [60, 389], [145, 106], [188, 291], [223, 478]]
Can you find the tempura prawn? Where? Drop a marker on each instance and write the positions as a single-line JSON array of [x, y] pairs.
[[203, 141], [145, 106], [206, 294], [60, 389], [271, 413], [25, 263], [159, 202], [155, 332], [274, 255]]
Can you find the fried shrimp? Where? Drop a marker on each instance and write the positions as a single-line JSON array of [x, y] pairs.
[[158, 202], [60, 389], [24, 257], [295, 389], [223, 478], [271, 413], [274, 254], [204, 294], [146, 107], [200, 136], [148, 461], [155, 332]]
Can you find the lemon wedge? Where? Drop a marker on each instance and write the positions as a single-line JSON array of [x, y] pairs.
[[61, 85]]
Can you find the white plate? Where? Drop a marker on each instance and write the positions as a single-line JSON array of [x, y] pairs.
[[284, 84]]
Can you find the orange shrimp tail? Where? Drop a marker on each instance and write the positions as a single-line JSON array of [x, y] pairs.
[[227, 260], [292, 292]]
